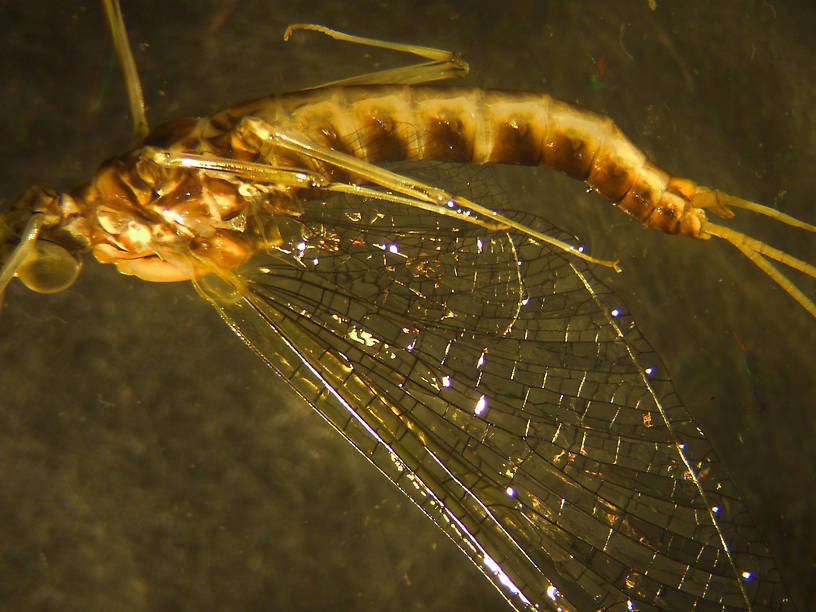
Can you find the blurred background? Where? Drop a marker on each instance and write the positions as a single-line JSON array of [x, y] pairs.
[[149, 461]]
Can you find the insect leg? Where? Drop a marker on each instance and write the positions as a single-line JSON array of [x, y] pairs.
[[442, 65], [434, 199], [254, 171], [116, 24], [20, 252]]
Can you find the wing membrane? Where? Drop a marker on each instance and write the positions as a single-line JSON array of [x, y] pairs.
[[485, 376]]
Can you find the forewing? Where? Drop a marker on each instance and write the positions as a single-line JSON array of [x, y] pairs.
[[493, 381]]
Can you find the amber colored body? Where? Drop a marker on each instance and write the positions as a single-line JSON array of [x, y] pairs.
[[143, 217]]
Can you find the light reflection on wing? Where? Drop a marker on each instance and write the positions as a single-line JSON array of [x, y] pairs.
[[487, 377]]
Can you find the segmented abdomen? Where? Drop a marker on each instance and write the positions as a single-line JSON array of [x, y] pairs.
[[391, 123]]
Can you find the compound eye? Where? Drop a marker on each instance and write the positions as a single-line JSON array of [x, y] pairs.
[[48, 268]]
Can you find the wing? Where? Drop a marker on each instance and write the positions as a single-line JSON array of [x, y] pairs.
[[496, 384]]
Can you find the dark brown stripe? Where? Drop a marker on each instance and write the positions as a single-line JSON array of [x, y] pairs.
[[382, 141], [611, 179], [570, 155], [639, 201], [445, 139], [515, 143]]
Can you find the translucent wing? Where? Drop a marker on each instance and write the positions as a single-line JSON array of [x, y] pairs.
[[491, 380]]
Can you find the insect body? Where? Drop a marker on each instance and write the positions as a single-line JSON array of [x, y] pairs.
[[195, 187], [457, 350]]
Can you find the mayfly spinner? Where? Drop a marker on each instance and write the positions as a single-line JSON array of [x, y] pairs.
[[467, 353]]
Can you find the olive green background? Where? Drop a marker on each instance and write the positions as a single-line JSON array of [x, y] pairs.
[[149, 461]]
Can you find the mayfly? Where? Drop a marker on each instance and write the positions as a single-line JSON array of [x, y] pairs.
[[454, 346]]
